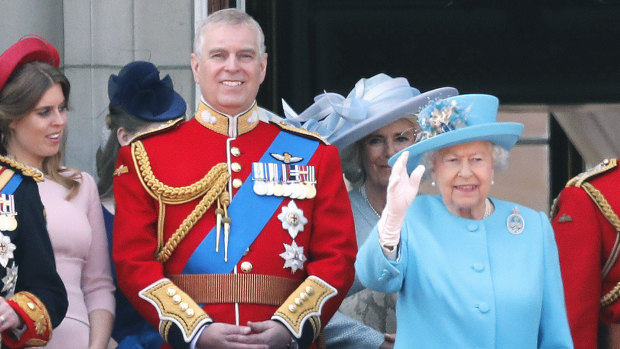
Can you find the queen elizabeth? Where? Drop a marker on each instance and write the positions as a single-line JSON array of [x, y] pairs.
[[471, 271]]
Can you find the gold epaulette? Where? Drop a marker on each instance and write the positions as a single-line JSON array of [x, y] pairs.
[[300, 131], [165, 127], [606, 165], [24, 169], [305, 304], [175, 307]]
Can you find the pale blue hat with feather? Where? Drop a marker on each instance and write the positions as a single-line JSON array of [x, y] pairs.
[[457, 120], [372, 104]]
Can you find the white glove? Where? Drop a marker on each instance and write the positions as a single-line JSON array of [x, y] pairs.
[[401, 191]]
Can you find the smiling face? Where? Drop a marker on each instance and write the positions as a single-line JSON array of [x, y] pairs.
[[380, 145], [38, 134], [463, 175], [230, 68]]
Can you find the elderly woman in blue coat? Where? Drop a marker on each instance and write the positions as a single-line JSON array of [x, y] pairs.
[[470, 271]]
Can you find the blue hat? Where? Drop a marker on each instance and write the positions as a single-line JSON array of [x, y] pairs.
[[373, 103], [139, 91], [457, 120]]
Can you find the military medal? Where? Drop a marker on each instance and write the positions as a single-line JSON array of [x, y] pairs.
[[293, 256], [259, 178], [6, 250], [309, 183], [9, 281], [7, 212], [515, 222], [292, 219]]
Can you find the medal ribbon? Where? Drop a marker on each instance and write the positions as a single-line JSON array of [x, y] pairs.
[[249, 213]]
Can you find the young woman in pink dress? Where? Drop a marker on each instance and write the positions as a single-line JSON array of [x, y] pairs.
[[35, 138]]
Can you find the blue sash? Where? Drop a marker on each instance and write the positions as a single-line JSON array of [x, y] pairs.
[[12, 185], [249, 213]]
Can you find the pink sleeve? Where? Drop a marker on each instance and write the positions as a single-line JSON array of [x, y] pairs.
[[97, 283]]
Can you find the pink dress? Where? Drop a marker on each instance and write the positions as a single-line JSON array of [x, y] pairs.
[[80, 245]]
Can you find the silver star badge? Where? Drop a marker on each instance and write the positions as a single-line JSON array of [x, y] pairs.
[[293, 257], [9, 281], [292, 219], [6, 250]]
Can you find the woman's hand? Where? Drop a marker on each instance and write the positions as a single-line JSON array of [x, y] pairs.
[[8, 317], [401, 191]]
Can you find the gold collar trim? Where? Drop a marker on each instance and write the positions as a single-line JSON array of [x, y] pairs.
[[231, 126]]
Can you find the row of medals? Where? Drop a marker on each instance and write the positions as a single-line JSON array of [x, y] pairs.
[[285, 180], [8, 222]]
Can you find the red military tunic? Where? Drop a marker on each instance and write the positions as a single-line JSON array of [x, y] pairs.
[[181, 157], [585, 240]]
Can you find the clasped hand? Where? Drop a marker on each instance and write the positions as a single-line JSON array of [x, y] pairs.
[[256, 335], [401, 191]]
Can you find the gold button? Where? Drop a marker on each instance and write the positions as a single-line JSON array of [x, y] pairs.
[[237, 183], [30, 305], [235, 166], [304, 296], [235, 151], [183, 306], [309, 290], [176, 299], [171, 291], [189, 312], [298, 301], [292, 308], [246, 267]]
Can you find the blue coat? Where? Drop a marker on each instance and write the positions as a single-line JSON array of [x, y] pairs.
[[466, 283]]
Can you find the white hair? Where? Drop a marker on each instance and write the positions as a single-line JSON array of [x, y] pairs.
[[499, 154], [229, 16]]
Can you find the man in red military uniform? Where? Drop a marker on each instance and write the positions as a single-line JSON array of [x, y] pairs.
[[587, 231], [231, 231]]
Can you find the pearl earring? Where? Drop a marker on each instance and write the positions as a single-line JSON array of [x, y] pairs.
[[492, 181], [433, 184]]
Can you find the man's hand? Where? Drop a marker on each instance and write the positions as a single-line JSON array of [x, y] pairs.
[[271, 333], [221, 335]]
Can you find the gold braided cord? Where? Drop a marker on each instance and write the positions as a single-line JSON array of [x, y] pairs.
[[602, 204], [25, 169], [610, 215], [611, 296], [166, 193], [188, 223]]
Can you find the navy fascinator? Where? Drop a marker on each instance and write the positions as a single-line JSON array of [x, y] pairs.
[[139, 91]]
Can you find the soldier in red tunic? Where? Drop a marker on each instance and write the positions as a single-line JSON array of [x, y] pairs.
[[233, 230], [587, 231]]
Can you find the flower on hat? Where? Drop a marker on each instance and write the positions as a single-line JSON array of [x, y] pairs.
[[140, 92], [440, 117]]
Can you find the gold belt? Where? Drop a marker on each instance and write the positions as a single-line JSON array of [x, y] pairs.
[[236, 288]]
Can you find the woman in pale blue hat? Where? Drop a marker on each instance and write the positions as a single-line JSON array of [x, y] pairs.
[[141, 104], [470, 271], [376, 120]]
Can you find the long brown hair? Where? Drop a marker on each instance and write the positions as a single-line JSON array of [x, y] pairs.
[[19, 97]]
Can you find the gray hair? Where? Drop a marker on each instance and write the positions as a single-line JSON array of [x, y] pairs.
[[229, 16], [351, 158], [499, 154]]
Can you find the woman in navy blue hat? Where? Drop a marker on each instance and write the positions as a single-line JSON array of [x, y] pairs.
[[141, 104], [470, 271], [35, 102], [376, 120]]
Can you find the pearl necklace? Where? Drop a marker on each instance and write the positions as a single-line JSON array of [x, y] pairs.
[[488, 208], [363, 192]]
